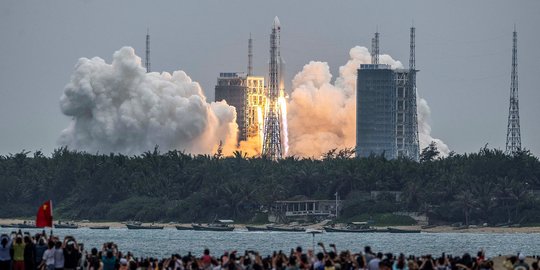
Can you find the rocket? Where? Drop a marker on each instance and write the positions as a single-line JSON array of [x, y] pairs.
[[277, 65]]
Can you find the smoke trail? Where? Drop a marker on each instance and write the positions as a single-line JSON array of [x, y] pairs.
[[119, 107], [322, 115]]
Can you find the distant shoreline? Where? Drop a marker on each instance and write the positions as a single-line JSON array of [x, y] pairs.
[[438, 229]]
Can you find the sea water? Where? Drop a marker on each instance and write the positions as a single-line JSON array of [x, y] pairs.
[[163, 243]]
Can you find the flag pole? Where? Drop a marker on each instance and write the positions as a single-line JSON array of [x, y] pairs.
[[52, 219]]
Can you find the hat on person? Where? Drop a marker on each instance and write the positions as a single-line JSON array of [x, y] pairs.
[[521, 257], [123, 261]]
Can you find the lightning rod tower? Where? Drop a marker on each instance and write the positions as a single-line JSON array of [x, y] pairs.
[[250, 56], [272, 146], [412, 136], [513, 134], [147, 60], [375, 49]]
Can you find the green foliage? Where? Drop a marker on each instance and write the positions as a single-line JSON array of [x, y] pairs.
[[488, 186]]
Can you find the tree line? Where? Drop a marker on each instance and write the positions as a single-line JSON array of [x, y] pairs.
[[484, 187]]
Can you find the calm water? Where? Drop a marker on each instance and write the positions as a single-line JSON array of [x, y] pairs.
[[162, 243]]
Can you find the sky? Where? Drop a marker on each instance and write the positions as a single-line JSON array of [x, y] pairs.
[[463, 51]]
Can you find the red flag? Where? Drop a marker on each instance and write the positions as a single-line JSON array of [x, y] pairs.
[[44, 216]]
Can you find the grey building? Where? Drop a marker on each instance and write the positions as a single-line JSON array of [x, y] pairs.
[[247, 95], [385, 112], [386, 117], [376, 111], [231, 87]]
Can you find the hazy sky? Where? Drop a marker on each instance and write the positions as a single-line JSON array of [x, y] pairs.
[[463, 52]]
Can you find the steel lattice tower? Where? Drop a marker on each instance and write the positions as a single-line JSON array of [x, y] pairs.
[[412, 133], [513, 134], [147, 60], [272, 146], [375, 49], [250, 56]]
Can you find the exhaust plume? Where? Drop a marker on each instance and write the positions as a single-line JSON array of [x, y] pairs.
[[119, 107], [322, 115]]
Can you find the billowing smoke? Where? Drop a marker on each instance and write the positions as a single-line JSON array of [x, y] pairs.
[[119, 107], [322, 115], [424, 129]]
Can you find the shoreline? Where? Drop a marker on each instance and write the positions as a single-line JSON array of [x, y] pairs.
[[438, 229]]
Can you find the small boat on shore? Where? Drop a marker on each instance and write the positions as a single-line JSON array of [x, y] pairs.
[[256, 229], [367, 230], [143, 227], [314, 231], [222, 225], [394, 230], [98, 227], [19, 226], [183, 228], [285, 229], [66, 225], [24, 225], [353, 227]]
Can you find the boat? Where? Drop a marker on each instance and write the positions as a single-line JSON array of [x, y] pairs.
[[330, 229], [256, 228], [99, 227], [132, 226], [394, 230], [223, 225], [24, 225], [65, 225], [428, 226], [285, 229], [183, 228], [353, 227], [314, 231]]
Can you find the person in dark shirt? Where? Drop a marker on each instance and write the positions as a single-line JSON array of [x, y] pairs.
[[71, 254], [29, 254], [39, 249]]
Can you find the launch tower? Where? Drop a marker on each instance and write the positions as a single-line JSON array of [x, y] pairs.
[[386, 117], [272, 144], [513, 134], [147, 60]]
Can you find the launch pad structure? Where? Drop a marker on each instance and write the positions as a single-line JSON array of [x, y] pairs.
[[386, 116], [272, 145], [513, 134]]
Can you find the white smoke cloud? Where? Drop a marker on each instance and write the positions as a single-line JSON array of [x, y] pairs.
[[322, 115], [424, 129], [119, 107]]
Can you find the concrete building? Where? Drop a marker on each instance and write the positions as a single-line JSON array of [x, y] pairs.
[[247, 95]]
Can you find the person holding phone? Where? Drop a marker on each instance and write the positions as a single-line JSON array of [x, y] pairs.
[[5, 256]]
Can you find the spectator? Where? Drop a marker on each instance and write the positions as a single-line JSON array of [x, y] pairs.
[[29, 254], [48, 257], [521, 264], [58, 256], [5, 255], [18, 253]]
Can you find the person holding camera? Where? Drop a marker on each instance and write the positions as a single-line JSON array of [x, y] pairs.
[[72, 254], [18, 253]]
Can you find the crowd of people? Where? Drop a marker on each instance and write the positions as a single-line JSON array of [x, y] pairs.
[[22, 251]]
